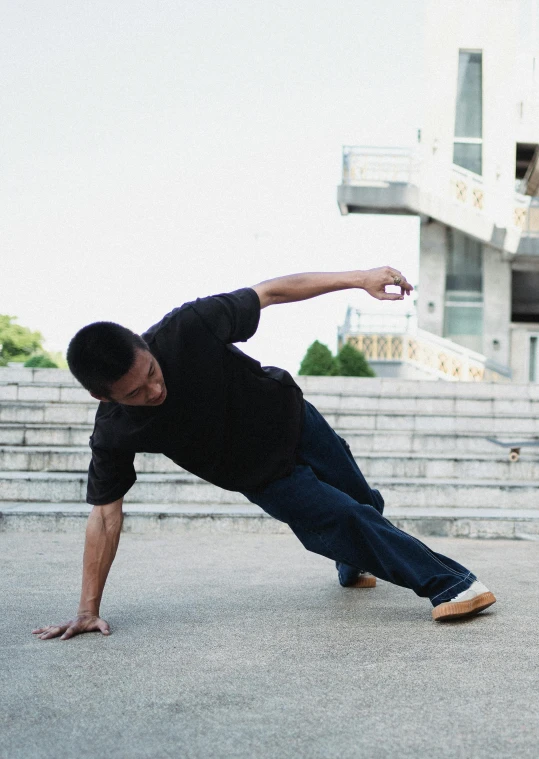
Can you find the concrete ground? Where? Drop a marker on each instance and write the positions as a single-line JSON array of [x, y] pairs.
[[234, 645]]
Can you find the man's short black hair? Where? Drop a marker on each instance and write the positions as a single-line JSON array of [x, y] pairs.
[[101, 353]]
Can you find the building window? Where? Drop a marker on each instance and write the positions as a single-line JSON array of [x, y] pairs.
[[463, 316], [468, 143], [533, 374], [525, 303]]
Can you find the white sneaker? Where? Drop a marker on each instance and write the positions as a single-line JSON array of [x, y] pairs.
[[471, 601]]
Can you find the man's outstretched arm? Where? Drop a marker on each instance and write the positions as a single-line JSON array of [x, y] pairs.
[[102, 538], [296, 287]]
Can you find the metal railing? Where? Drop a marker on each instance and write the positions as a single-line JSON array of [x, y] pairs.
[[379, 166]]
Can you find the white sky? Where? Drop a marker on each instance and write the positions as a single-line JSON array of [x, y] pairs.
[[154, 152]]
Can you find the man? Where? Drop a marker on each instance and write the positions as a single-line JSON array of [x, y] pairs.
[[183, 389]]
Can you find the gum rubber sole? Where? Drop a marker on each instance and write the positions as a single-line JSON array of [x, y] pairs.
[[364, 581], [461, 609]]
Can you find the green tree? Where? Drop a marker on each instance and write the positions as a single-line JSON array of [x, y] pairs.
[[318, 361], [16, 342], [352, 363], [41, 361]]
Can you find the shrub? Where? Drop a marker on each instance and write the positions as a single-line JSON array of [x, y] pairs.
[[318, 361], [42, 362], [352, 363]]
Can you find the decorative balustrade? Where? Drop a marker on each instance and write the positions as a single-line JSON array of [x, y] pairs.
[[399, 339], [521, 212], [467, 188]]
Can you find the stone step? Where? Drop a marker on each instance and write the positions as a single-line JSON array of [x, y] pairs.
[[183, 488], [360, 386], [427, 401], [500, 424], [39, 435], [378, 386], [423, 405], [521, 524], [399, 420], [43, 412], [418, 404], [361, 442], [433, 465], [30, 392], [26, 375]]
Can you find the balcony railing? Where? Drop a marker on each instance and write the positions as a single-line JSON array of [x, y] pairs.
[[397, 338], [382, 166], [379, 166], [467, 188]]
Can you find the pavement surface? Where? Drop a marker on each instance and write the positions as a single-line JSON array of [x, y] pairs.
[[238, 645]]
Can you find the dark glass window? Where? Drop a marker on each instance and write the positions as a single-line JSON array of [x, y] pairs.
[[463, 317], [469, 114], [464, 320], [469, 156], [468, 144], [533, 360], [464, 264]]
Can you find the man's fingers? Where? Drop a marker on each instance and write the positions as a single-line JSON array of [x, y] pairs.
[[390, 296], [51, 632], [402, 282], [81, 624]]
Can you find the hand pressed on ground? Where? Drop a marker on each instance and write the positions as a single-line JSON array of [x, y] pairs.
[[82, 623]]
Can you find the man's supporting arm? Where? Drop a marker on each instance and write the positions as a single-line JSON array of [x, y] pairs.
[[102, 538], [295, 287]]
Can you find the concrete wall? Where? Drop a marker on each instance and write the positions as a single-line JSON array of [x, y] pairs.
[[496, 306], [526, 91], [432, 268], [520, 350], [496, 292], [491, 26]]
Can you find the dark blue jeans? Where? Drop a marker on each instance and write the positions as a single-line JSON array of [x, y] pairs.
[[329, 506]]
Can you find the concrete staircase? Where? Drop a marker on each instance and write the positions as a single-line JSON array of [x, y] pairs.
[[423, 443]]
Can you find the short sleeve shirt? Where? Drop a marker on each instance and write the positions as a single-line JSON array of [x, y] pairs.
[[226, 418]]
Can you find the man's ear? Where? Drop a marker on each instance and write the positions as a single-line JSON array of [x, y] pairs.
[[99, 398]]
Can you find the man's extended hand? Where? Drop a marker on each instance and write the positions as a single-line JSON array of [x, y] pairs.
[[81, 624], [296, 287], [376, 280]]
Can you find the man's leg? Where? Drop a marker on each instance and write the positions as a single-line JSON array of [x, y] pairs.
[[342, 521], [332, 461], [329, 522]]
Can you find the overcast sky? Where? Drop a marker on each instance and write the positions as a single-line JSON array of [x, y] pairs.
[[154, 152]]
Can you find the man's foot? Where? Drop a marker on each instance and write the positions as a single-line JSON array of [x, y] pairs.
[[350, 577], [471, 601]]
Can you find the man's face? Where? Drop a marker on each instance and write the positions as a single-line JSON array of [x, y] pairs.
[[143, 385]]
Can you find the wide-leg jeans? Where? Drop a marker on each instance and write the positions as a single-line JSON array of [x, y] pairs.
[[329, 506]]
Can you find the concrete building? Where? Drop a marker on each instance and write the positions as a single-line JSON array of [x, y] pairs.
[[473, 179]]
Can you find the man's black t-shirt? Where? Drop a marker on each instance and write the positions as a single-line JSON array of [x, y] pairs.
[[226, 418]]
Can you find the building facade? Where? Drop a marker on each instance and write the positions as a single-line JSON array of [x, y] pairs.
[[473, 179]]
